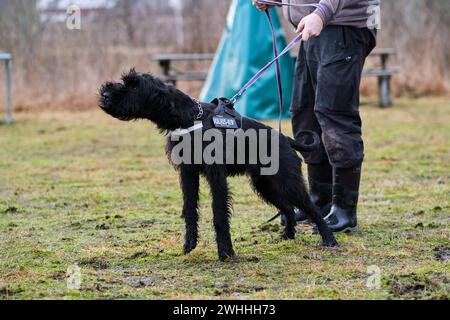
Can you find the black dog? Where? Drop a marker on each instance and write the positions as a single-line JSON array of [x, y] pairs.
[[141, 96]]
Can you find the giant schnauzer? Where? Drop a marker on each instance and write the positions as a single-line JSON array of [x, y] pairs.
[[142, 96]]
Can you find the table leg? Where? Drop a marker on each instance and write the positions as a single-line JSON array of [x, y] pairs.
[[9, 84], [165, 67], [384, 84]]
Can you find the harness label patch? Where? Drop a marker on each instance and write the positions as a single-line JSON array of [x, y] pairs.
[[225, 122]]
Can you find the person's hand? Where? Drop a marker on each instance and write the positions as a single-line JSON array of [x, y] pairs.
[[311, 26], [261, 6]]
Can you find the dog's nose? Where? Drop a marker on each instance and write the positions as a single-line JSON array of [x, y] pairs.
[[106, 95]]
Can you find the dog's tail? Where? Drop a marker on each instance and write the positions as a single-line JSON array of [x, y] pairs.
[[302, 147]]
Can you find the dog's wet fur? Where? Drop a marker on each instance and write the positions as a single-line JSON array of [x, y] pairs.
[[143, 96]]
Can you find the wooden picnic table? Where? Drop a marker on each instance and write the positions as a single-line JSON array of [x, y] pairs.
[[384, 73], [170, 75], [9, 104]]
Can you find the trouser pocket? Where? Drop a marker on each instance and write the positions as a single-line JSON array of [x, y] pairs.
[[338, 83]]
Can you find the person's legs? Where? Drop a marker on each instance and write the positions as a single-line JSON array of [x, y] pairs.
[[342, 52], [304, 118], [303, 103]]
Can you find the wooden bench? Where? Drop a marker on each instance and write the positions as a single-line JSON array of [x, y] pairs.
[[9, 105], [171, 75], [383, 72]]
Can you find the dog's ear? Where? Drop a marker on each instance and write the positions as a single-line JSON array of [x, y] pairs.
[[131, 78]]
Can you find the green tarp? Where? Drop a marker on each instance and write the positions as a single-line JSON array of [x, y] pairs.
[[245, 48]]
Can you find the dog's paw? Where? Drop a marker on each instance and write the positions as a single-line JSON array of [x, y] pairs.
[[287, 235], [330, 243], [225, 255], [189, 246]]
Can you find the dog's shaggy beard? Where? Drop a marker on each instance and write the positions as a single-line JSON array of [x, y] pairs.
[[142, 96]]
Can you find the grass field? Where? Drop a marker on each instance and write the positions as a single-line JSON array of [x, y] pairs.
[[82, 189]]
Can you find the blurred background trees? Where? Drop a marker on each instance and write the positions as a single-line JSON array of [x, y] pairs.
[[420, 31], [20, 29], [57, 65]]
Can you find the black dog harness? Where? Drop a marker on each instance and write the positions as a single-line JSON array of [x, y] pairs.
[[224, 116]]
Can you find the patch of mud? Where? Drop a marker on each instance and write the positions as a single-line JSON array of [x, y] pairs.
[[60, 276], [141, 224], [11, 210], [413, 286], [7, 293], [98, 263], [102, 226], [442, 253], [267, 228], [139, 255], [75, 226], [243, 259], [140, 282], [236, 290], [430, 225], [412, 214]]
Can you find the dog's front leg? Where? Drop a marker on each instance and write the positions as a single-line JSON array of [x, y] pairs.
[[190, 187], [221, 206]]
